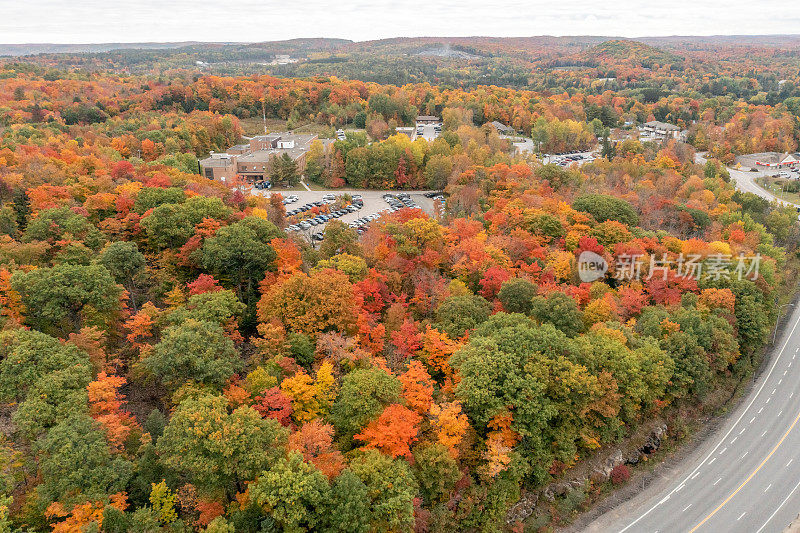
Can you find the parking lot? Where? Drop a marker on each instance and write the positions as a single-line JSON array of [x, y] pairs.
[[569, 158], [372, 203]]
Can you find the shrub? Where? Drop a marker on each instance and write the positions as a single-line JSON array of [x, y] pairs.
[[620, 474]]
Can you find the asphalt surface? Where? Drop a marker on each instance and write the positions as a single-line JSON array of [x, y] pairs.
[[373, 203], [746, 476], [745, 181]]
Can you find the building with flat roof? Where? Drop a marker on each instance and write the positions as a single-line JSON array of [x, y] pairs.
[[658, 130], [428, 119], [502, 128], [251, 160]]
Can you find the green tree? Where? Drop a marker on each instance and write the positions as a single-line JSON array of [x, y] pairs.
[[390, 489], [363, 396], [215, 450], [457, 314], [54, 224], [29, 355], [604, 207], [293, 492], [560, 310], [194, 350], [516, 295], [76, 464], [240, 255], [349, 507], [436, 471], [339, 239], [167, 226], [152, 197], [53, 397], [283, 170], [218, 307], [126, 263], [67, 297]]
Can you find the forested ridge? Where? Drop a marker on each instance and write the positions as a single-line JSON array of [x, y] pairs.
[[171, 359]]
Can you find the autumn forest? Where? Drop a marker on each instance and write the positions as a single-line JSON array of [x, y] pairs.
[[173, 359]]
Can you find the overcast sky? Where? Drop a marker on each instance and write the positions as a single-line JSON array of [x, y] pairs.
[[96, 21]]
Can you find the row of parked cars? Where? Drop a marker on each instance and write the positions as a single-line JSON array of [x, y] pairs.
[[292, 198], [435, 195], [361, 224], [565, 159], [357, 204], [399, 201]]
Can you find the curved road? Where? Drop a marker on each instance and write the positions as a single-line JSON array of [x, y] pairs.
[[746, 476], [745, 181]]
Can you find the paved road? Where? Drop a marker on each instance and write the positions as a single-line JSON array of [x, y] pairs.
[[745, 181], [746, 477]]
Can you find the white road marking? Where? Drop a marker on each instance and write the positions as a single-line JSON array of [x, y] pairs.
[[741, 516], [723, 450], [773, 391], [751, 420], [790, 462], [717, 481], [734, 439], [778, 509], [780, 381], [712, 460], [679, 488], [784, 372], [768, 399], [696, 474], [686, 508], [759, 411], [792, 394], [779, 414], [741, 416], [768, 486], [742, 457], [742, 431], [765, 432]]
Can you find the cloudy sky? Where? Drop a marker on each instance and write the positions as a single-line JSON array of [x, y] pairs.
[[94, 21]]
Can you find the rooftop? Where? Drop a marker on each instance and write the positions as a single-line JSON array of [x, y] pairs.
[[658, 125]]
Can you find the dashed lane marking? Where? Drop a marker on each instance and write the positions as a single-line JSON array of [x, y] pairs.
[[752, 474]]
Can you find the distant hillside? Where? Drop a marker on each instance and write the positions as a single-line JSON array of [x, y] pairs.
[[621, 51], [54, 48]]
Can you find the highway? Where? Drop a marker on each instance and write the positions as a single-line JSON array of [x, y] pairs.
[[746, 476]]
